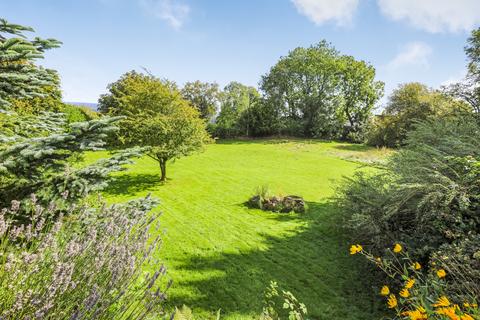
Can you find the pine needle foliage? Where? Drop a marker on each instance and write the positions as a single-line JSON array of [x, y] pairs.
[[20, 77], [43, 163]]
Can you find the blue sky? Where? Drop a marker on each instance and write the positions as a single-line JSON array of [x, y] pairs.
[[225, 40]]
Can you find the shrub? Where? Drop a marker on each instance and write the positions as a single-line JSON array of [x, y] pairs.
[[415, 294], [427, 196], [87, 266]]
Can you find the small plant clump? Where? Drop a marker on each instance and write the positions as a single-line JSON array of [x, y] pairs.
[[265, 201]]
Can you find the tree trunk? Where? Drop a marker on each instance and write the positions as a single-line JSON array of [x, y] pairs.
[[163, 169]]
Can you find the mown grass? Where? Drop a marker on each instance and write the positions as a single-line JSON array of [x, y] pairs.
[[222, 255]]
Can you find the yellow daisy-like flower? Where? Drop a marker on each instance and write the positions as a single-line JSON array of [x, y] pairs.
[[397, 248], [355, 248], [466, 316], [441, 273], [449, 312], [418, 314], [417, 266], [409, 284], [404, 293], [442, 302], [385, 291], [392, 301]]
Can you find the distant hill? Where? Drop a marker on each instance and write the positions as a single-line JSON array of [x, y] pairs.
[[92, 106]]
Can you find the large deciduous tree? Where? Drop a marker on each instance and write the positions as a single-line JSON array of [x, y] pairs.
[[20, 77], [204, 96], [319, 92], [157, 117], [407, 105], [468, 90], [236, 99], [359, 92]]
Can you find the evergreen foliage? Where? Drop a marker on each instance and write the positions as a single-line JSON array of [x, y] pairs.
[[19, 76], [41, 163]]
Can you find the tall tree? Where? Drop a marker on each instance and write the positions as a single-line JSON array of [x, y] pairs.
[[359, 91], [407, 105], [236, 98], [157, 117], [319, 92], [468, 89], [204, 96], [20, 77]]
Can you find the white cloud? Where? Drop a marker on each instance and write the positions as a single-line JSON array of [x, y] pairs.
[[459, 77], [434, 15], [172, 11], [321, 11], [413, 54]]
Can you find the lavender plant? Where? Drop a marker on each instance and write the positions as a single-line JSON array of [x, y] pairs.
[[86, 265]]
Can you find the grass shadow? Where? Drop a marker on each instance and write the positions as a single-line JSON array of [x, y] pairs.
[[313, 264], [129, 183]]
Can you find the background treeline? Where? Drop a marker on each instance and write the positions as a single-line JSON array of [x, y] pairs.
[[311, 92]]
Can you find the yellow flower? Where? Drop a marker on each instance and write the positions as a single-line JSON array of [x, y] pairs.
[[404, 293], [355, 248], [441, 273], [385, 291], [449, 312], [418, 314], [417, 266], [466, 316], [442, 302], [470, 305], [409, 284], [397, 248], [392, 301]]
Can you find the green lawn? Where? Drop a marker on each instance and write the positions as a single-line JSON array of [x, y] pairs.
[[222, 255]]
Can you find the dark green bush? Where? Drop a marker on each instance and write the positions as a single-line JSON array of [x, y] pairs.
[[427, 197]]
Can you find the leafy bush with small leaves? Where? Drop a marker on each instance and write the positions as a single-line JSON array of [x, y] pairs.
[[427, 197]]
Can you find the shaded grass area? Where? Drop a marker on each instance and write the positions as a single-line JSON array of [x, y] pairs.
[[222, 255]]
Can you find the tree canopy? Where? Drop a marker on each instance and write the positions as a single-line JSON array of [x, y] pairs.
[[321, 92], [204, 96], [157, 117], [407, 105]]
